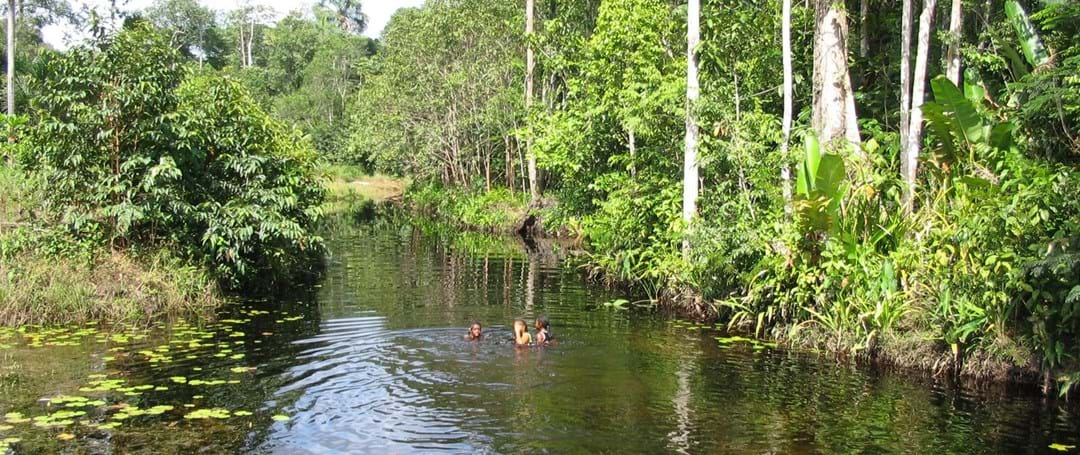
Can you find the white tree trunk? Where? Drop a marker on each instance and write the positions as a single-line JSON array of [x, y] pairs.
[[952, 56], [690, 161], [785, 169], [918, 89], [530, 66], [834, 103], [905, 84], [251, 42], [11, 58]]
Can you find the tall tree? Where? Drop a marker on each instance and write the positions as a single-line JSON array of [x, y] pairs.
[[530, 67], [11, 58], [952, 55], [914, 140], [690, 155], [785, 169], [834, 103]]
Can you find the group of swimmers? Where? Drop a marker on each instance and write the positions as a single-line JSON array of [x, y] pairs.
[[522, 337]]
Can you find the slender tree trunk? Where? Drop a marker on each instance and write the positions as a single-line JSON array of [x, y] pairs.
[[530, 67], [918, 89], [785, 169], [952, 55], [251, 43], [11, 58], [487, 169], [509, 165], [905, 84], [690, 161], [834, 103], [864, 32], [633, 151]]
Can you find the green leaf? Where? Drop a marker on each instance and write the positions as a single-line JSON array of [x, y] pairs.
[[1001, 135], [1030, 42], [974, 90], [809, 166], [942, 127], [949, 97]]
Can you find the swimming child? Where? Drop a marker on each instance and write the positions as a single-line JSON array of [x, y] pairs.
[[543, 331], [521, 333], [475, 332]]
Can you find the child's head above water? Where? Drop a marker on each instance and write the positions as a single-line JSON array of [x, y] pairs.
[[541, 323], [521, 333], [475, 331]]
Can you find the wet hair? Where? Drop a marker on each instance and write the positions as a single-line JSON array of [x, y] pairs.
[[542, 321], [476, 323]]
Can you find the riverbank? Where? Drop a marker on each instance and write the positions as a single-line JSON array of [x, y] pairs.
[[50, 278], [888, 318]]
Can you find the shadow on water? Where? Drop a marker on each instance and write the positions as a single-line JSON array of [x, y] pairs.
[[372, 360]]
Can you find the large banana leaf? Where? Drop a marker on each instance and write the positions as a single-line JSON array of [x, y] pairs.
[[831, 180], [808, 170], [942, 126], [969, 125], [1030, 43]]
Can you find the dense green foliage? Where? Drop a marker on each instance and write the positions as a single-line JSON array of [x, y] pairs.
[[187, 160], [443, 98], [980, 277]]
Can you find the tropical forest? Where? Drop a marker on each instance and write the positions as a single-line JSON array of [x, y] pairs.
[[540, 226]]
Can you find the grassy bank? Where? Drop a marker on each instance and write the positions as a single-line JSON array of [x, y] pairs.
[[48, 277]]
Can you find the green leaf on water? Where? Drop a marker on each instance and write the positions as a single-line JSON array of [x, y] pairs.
[[15, 417], [158, 410], [178, 379], [280, 418], [241, 413], [1061, 447], [215, 413]]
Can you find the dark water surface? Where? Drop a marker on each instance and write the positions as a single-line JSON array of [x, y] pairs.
[[373, 361]]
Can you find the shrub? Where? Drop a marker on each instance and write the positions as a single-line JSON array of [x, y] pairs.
[[139, 152]]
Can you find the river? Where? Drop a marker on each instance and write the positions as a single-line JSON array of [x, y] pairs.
[[373, 360]]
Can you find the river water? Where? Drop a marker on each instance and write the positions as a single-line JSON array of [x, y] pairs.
[[372, 360]]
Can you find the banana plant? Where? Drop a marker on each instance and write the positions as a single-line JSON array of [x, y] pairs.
[[820, 185], [958, 126]]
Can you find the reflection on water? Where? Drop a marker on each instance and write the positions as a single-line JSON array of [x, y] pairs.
[[373, 361], [388, 372]]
